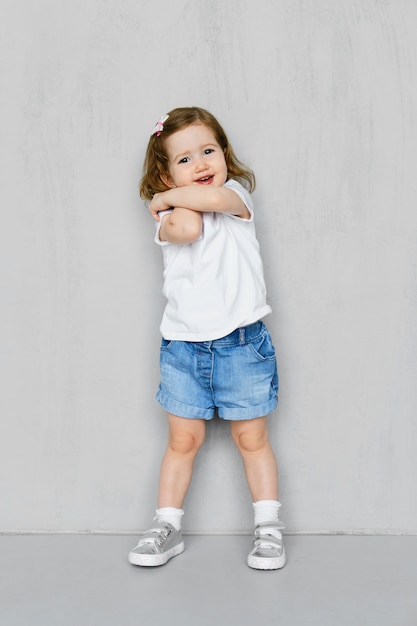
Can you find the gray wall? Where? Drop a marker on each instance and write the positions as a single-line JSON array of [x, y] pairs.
[[319, 97]]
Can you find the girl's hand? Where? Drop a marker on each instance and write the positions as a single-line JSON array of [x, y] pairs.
[[157, 204]]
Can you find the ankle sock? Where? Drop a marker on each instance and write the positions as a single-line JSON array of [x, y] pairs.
[[267, 511], [171, 515]]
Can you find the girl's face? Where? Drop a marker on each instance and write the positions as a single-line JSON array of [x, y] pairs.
[[194, 157]]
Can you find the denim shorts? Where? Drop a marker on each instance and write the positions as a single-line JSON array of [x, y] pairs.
[[235, 376]]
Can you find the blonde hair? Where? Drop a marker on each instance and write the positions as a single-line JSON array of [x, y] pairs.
[[155, 166]]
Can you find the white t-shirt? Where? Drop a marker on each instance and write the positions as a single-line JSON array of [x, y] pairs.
[[215, 284]]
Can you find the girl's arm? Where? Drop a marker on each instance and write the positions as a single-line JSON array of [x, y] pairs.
[[181, 226], [201, 199]]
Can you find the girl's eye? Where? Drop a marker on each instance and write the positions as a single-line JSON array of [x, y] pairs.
[[183, 160], [208, 150]]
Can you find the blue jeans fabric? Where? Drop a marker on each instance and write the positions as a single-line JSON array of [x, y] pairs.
[[236, 375]]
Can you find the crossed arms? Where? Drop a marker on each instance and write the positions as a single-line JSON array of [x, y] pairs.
[[183, 225]]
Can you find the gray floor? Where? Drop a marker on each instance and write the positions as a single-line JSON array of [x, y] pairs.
[[85, 580]]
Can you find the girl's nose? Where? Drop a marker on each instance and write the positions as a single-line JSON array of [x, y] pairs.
[[200, 164]]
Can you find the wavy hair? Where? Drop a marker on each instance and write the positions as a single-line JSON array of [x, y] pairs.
[[156, 159]]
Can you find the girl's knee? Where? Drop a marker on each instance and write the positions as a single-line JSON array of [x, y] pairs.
[[184, 443], [251, 437], [185, 438]]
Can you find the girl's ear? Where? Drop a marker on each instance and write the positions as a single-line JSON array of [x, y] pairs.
[[167, 180]]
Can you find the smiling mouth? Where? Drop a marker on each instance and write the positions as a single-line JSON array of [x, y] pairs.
[[206, 180]]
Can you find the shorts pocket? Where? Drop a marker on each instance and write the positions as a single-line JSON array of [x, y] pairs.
[[263, 348]]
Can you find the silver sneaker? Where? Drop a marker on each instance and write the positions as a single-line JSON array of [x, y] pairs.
[[267, 550], [157, 546]]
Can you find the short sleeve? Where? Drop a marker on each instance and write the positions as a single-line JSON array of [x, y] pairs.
[[158, 228], [244, 195]]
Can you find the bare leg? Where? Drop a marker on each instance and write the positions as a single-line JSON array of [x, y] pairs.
[[251, 439], [186, 437]]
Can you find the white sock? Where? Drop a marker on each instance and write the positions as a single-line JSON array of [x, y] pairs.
[[171, 515], [267, 511]]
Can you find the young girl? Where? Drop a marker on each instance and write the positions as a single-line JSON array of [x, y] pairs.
[[216, 354]]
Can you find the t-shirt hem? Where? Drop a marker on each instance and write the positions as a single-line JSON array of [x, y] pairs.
[[214, 334]]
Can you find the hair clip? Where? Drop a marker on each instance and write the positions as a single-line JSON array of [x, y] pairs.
[[159, 126]]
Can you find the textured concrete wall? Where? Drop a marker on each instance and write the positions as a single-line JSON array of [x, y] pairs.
[[319, 97]]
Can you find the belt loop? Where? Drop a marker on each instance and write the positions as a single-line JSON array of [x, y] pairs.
[[242, 336]]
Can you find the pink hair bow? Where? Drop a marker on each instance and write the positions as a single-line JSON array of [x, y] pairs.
[[159, 126]]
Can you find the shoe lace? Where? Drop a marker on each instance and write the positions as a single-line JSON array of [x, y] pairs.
[[160, 535]]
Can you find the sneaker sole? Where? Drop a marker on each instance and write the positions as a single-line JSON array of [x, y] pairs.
[[153, 560], [266, 564]]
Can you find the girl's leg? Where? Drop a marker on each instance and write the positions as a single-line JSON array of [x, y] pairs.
[[186, 437], [251, 439], [162, 542]]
